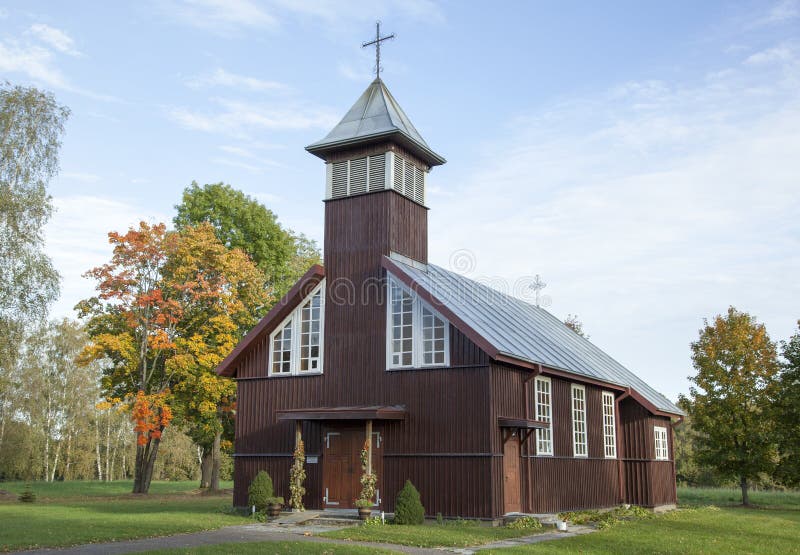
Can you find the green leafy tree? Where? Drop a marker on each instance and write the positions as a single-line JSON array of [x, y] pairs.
[[31, 126], [787, 413], [730, 402], [242, 222]]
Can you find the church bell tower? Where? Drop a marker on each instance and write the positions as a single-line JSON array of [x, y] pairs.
[[376, 164]]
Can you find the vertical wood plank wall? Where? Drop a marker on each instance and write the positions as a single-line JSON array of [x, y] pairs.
[[562, 482]]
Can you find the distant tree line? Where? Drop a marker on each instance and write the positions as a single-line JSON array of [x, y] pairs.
[[129, 390], [743, 409]]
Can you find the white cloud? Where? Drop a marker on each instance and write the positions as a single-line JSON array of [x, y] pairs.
[[776, 54], [34, 61], [37, 63], [783, 11], [645, 209], [252, 168], [237, 117], [223, 78], [221, 16], [83, 177], [77, 243], [56, 38]]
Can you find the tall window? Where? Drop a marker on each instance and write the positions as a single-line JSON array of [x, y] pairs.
[[296, 345], [662, 447], [544, 438], [609, 426], [417, 335], [579, 421]]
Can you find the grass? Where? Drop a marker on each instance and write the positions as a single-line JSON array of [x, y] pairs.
[[773, 527], [78, 489], [273, 548], [722, 497], [430, 535], [68, 514]]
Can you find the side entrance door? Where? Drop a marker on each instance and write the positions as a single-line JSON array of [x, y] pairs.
[[341, 465], [511, 482]]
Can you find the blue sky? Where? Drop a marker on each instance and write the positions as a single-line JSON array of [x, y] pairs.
[[642, 157]]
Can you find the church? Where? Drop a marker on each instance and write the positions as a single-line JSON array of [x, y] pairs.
[[488, 404]]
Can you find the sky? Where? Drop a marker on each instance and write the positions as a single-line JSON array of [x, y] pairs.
[[642, 157]]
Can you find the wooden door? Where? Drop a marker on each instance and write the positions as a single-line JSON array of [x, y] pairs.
[[511, 482], [341, 466]]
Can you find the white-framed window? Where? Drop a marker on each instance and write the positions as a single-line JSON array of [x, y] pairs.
[[416, 335], [544, 413], [662, 447], [296, 344], [579, 421], [609, 426]]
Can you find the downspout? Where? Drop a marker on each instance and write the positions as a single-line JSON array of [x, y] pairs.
[[620, 472], [528, 489], [674, 425]]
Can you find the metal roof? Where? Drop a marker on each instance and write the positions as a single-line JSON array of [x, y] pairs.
[[375, 116], [524, 331]]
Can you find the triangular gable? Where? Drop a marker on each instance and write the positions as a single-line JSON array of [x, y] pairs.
[[304, 286]]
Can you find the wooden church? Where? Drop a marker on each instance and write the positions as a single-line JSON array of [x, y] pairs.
[[488, 404]]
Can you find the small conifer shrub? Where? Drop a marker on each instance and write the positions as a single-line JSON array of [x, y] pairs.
[[261, 491], [408, 508], [27, 495]]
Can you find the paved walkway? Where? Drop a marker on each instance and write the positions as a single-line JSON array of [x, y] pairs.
[[266, 533]]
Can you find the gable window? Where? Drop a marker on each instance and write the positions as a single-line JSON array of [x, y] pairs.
[[544, 438], [609, 426], [579, 421], [662, 448], [417, 335], [296, 345]]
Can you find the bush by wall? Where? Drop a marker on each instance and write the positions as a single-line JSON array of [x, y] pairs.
[[408, 508]]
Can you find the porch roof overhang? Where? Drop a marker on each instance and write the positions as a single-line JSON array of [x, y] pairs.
[[521, 423], [393, 412]]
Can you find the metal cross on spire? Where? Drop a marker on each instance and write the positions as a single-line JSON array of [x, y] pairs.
[[537, 285], [377, 42]]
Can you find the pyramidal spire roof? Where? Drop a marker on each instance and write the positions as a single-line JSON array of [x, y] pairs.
[[376, 116]]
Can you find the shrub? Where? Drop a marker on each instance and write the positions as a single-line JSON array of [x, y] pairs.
[[260, 491], [27, 496], [408, 508], [525, 523]]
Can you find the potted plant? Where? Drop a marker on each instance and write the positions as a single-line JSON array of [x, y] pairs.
[[368, 482], [364, 508], [274, 506]]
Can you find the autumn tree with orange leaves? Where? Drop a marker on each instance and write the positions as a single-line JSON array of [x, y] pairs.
[[131, 324], [170, 307]]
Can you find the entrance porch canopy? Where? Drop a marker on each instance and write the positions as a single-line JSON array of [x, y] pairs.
[[523, 427], [392, 412]]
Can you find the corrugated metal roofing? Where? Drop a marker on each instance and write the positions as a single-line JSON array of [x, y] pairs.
[[522, 330], [375, 114]]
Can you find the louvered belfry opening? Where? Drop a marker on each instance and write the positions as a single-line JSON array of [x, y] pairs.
[[389, 170]]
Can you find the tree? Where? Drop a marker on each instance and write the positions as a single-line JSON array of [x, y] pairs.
[[787, 413], [220, 293], [575, 325], [736, 366], [31, 126], [240, 221], [132, 326]]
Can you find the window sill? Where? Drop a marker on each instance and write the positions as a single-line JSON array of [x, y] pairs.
[[429, 367], [296, 374]]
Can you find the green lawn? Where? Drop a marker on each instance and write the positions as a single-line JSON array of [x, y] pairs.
[[84, 512], [722, 497], [429, 535], [703, 530], [94, 488], [273, 548]]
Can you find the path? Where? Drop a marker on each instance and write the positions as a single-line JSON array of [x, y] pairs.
[[265, 533]]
